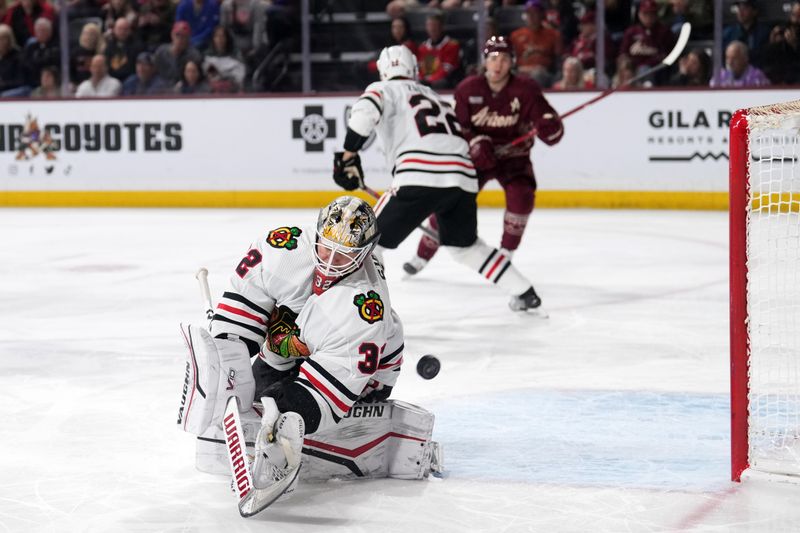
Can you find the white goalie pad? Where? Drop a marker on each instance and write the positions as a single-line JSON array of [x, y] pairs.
[[215, 370], [377, 440]]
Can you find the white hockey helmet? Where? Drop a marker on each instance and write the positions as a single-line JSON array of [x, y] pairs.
[[347, 231], [397, 62]]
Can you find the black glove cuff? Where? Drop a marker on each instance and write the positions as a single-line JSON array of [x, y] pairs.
[[353, 141]]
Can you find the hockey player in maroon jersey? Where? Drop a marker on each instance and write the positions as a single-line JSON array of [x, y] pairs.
[[494, 109]]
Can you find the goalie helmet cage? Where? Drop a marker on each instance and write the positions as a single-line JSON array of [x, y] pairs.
[[765, 291]]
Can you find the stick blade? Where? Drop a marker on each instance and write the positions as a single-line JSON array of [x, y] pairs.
[[683, 38]]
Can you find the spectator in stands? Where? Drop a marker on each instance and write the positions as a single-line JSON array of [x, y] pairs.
[[573, 77], [122, 50], [698, 13], [145, 81], [223, 63], [202, 17], [625, 71], [171, 57], [782, 55], [400, 33], [49, 84], [12, 74], [439, 57], [444, 5], [99, 84], [115, 10], [694, 69], [41, 51], [794, 14], [649, 41], [90, 43], [245, 21], [537, 47], [22, 15], [618, 18], [584, 47], [192, 80], [747, 29], [738, 71], [398, 8], [83, 8], [560, 15], [156, 18]]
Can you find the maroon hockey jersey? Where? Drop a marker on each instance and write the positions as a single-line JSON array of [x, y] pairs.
[[504, 116], [647, 47]]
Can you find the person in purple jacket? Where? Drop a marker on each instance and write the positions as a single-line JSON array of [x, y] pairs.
[[738, 71]]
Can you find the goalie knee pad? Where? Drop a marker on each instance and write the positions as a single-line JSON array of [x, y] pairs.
[[215, 370]]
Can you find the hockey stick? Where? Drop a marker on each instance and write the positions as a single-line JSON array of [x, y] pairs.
[[427, 231], [668, 61], [202, 278]]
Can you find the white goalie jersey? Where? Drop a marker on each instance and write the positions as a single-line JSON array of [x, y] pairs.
[[349, 338], [420, 134]]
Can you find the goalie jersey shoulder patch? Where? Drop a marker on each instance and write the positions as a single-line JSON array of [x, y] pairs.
[[284, 237], [370, 306]]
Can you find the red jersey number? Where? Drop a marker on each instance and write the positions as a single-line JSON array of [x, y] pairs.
[[252, 259]]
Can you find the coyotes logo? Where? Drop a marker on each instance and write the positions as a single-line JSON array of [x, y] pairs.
[[34, 141], [283, 335], [370, 306], [284, 237]]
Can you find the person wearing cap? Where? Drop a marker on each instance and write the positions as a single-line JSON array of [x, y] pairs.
[[537, 47], [170, 58], [145, 81], [584, 46], [493, 109], [648, 42], [747, 29], [99, 84], [202, 17]]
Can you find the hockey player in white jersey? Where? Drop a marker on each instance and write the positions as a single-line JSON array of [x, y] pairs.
[[317, 301], [432, 171]]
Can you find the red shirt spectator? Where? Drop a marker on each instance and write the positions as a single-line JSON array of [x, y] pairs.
[[439, 57], [584, 47], [648, 42], [23, 14]]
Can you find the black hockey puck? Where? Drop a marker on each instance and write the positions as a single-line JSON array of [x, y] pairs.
[[428, 366]]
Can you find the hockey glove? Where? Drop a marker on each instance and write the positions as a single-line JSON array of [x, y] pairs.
[[481, 151], [550, 129], [348, 174]]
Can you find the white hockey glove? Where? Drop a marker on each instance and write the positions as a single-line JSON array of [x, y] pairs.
[[278, 451]]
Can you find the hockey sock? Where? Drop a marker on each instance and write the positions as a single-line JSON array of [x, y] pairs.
[[428, 247], [513, 228], [493, 265]]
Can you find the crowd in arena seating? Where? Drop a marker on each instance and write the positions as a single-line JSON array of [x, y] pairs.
[[157, 47], [137, 47], [556, 46]]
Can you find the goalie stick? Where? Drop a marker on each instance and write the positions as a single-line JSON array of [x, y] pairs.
[[668, 61], [202, 279]]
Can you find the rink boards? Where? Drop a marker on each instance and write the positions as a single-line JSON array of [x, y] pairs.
[[644, 149]]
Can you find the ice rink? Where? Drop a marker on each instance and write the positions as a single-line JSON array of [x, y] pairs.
[[611, 415]]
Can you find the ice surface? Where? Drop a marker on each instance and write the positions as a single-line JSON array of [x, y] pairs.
[[612, 415]]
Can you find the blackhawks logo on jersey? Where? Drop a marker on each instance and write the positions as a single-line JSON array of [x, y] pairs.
[[283, 335], [284, 237], [370, 306]]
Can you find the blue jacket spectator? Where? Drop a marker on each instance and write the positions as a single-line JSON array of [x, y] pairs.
[[748, 30], [145, 81], [202, 16]]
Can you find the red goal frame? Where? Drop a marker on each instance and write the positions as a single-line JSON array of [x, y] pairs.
[[739, 177]]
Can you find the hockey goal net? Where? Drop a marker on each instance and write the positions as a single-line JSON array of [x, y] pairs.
[[765, 290]]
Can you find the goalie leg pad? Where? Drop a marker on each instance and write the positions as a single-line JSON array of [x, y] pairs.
[[216, 369]]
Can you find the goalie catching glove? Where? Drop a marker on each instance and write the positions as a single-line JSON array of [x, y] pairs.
[[348, 174]]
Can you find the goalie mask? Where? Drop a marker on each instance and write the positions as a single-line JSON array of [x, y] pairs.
[[397, 62], [347, 231]]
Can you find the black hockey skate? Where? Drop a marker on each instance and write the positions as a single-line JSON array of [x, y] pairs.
[[413, 266], [525, 301]]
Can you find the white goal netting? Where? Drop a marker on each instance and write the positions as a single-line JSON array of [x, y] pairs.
[[773, 288]]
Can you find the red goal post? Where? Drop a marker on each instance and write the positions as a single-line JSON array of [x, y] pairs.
[[765, 290]]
